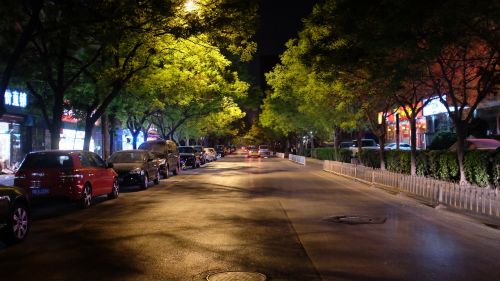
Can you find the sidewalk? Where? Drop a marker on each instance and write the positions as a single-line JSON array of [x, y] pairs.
[[483, 219]]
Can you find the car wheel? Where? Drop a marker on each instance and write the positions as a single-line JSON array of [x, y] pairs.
[[86, 200], [115, 191], [157, 179], [18, 224], [145, 181]]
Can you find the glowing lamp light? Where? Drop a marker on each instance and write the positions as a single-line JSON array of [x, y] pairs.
[[190, 6]]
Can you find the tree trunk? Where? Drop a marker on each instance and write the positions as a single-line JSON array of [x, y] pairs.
[[89, 128], [55, 135], [335, 144], [111, 133], [135, 136], [413, 143], [360, 141], [105, 136], [382, 152], [460, 127]]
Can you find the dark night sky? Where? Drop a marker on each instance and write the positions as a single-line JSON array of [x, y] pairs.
[[280, 21]]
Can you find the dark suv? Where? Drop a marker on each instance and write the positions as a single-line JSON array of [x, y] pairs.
[[190, 156], [220, 150], [136, 167], [166, 151]]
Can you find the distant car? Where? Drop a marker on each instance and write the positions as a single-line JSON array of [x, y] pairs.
[[252, 151], [210, 153], [200, 149], [365, 144], [14, 213], [74, 174], [189, 156], [345, 144], [136, 167], [402, 146], [167, 152], [220, 150], [264, 151]]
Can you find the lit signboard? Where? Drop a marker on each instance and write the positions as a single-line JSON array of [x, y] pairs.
[[15, 98], [435, 106]]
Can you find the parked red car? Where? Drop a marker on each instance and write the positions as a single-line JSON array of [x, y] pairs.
[[77, 175]]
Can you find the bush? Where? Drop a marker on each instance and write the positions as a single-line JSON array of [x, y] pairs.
[[344, 155], [422, 163], [443, 140], [481, 167], [448, 166], [404, 162], [391, 160], [398, 161], [370, 158], [433, 162], [495, 169], [328, 153], [305, 152], [476, 166], [324, 153]]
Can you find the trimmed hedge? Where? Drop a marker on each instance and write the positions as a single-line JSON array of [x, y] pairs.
[[370, 158], [328, 153], [481, 167], [475, 170]]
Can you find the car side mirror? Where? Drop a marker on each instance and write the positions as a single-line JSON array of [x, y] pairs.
[[109, 165]]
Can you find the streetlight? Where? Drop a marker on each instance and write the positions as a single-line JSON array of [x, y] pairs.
[[190, 6]]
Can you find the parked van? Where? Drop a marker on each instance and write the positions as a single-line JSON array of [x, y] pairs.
[[167, 152]]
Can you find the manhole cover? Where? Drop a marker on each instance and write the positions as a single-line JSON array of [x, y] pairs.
[[356, 219], [495, 226], [237, 276]]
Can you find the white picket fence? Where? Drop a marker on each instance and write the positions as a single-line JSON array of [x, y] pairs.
[[297, 159], [280, 155], [479, 200]]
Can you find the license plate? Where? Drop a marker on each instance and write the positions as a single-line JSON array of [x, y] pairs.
[[40, 191]]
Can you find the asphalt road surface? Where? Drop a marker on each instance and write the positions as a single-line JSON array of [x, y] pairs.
[[256, 215]]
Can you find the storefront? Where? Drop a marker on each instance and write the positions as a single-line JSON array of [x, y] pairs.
[[11, 131], [72, 135], [399, 119]]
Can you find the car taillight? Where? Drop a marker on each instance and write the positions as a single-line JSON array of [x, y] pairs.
[[71, 175]]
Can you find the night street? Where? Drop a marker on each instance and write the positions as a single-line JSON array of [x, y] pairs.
[[256, 215]]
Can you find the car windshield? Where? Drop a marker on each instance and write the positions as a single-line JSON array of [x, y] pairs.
[[153, 146], [127, 157], [47, 160], [263, 147], [198, 148], [345, 144], [186, 149]]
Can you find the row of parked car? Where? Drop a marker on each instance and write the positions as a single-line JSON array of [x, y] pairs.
[[371, 144], [82, 175]]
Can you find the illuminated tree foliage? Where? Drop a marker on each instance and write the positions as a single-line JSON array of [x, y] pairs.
[[106, 44], [414, 49]]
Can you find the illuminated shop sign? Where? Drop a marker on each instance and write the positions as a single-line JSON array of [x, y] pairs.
[[435, 106], [15, 98]]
